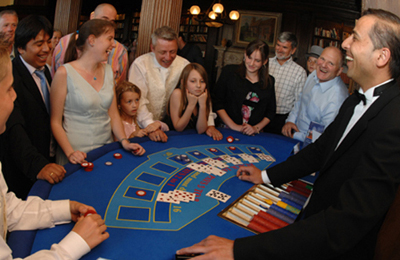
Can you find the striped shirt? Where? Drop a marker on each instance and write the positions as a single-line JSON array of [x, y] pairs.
[[118, 58]]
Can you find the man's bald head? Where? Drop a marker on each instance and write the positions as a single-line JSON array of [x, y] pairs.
[[104, 12]]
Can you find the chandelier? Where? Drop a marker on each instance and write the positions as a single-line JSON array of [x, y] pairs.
[[215, 16]]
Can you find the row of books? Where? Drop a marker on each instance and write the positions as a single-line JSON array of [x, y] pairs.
[[332, 33], [198, 38], [324, 43]]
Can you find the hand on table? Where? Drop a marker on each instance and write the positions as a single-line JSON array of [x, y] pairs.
[[214, 133], [213, 248], [249, 129], [250, 174], [77, 157], [158, 136], [91, 227], [288, 128], [52, 172], [135, 148], [139, 133]]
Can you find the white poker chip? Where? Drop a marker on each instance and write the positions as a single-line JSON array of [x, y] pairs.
[[196, 153], [108, 163]]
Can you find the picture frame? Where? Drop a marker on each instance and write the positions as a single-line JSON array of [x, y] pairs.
[[254, 25]]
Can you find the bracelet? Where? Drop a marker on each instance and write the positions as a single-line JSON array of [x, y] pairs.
[[258, 131], [124, 139]]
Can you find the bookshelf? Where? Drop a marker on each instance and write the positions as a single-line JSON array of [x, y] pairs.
[[194, 31], [328, 33]]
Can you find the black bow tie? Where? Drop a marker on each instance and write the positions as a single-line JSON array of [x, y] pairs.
[[361, 97], [377, 92]]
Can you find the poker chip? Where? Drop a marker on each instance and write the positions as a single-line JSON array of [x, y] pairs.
[[184, 156], [87, 169], [258, 149], [213, 149], [232, 148], [108, 163], [90, 212], [252, 148], [237, 139], [84, 164], [140, 193], [230, 139], [178, 157], [187, 160], [117, 156], [196, 153], [90, 165]]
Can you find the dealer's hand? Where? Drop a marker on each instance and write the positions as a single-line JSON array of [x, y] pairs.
[[212, 247], [249, 173]]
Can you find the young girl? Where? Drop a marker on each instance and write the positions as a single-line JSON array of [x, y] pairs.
[[128, 96], [244, 96], [190, 103], [84, 113]]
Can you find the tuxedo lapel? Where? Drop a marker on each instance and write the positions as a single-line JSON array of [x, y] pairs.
[[361, 124]]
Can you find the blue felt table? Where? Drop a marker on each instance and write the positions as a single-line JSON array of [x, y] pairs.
[[139, 226]]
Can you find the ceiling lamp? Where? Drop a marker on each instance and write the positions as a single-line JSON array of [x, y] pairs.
[[215, 16], [218, 8], [234, 15], [195, 10]]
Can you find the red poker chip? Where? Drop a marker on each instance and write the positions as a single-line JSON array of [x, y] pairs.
[[90, 165], [232, 147], [90, 212], [85, 164], [140, 193], [88, 169], [117, 156], [213, 150], [230, 139]]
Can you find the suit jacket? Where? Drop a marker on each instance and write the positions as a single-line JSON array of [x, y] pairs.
[[355, 188], [28, 133]]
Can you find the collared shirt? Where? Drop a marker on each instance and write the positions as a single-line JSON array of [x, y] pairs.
[[289, 81], [156, 84], [118, 58], [35, 213], [319, 102], [360, 109]]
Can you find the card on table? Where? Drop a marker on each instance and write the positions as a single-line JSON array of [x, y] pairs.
[[218, 195], [248, 157], [166, 197], [215, 163], [230, 159], [183, 195]]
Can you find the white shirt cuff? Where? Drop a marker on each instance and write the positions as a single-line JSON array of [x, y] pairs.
[[265, 177], [61, 211], [75, 245]]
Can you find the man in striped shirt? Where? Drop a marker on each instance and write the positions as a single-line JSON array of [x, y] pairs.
[[289, 79]]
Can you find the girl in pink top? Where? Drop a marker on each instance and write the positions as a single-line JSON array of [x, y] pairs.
[[128, 96]]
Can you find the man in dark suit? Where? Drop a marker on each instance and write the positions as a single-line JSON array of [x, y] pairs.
[[28, 144], [358, 157]]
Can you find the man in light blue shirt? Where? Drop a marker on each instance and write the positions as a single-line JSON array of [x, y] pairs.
[[321, 98]]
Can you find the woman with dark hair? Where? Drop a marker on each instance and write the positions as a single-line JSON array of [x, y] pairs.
[[244, 96], [84, 110]]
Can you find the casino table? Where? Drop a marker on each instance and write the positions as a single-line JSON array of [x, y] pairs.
[[125, 193]]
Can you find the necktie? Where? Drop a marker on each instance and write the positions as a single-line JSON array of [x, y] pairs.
[[43, 87]]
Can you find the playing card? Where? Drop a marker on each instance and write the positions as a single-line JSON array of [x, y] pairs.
[[248, 157], [183, 195], [196, 167], [232, 160], [214, 170], [218, 195], [165, 197], [215, 163]]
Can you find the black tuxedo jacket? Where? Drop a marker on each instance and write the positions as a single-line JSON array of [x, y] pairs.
[[355, 188], [28, 133]]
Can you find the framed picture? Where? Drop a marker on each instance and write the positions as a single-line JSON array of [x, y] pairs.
[[254, 25]]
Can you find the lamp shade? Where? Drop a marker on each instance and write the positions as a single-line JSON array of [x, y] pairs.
[[194, 10], [212, 15], [234, 15], [218, 8]]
